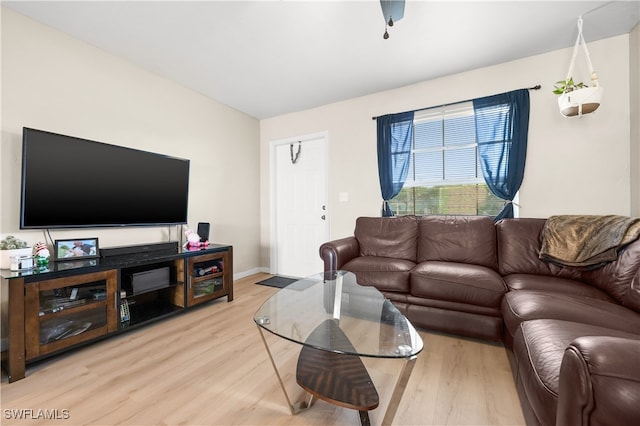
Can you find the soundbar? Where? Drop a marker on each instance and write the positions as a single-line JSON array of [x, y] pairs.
[[170, 247]]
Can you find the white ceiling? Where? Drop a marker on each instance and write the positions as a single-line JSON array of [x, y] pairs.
[[268, 58]]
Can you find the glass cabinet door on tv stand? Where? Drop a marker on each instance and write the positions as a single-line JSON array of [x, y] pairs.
[[207, 278], [63, 312]]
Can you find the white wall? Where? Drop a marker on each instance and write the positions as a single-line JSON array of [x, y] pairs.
[[634, 108], [53, 82], [576, 165]]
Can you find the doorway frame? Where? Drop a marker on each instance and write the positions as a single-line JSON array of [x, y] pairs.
[[273, 191]]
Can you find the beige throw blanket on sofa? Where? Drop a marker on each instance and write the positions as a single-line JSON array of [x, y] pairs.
[[586, 241]]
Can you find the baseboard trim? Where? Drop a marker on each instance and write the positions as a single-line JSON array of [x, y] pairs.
[[253, 271]]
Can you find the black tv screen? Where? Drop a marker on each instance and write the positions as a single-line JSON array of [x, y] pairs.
[[69, 182]]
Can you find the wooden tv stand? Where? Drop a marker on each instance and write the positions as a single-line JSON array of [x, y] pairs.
[[64, 305]]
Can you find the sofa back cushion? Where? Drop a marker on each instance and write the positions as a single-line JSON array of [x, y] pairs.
[[519, 243], [462, 239], [393, 237], [620, 279]]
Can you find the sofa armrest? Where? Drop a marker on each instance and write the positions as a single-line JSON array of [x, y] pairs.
[[600, 382], [338, 252]]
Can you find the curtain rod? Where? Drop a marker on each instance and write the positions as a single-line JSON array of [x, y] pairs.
[[536, 87]]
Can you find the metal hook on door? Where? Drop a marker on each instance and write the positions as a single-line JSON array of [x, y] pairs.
[[294, 159]]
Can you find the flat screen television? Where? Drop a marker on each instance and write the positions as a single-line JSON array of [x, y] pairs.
[[69, 182]]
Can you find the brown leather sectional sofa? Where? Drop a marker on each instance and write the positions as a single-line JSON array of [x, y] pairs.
[[572, 334]]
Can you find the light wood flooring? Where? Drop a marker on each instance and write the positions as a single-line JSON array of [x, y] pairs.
[[209, 367]]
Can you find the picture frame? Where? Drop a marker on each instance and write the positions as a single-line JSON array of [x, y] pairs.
[[75, 249]]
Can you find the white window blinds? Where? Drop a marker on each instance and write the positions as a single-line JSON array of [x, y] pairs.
[[444, 171]]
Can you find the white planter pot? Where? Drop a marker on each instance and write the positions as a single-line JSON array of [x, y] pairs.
[[6, 255], [579, 102]]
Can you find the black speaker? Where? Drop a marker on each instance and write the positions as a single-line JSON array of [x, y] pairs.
[[203, 231]]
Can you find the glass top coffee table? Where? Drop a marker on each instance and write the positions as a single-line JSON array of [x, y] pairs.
[[337, 322]]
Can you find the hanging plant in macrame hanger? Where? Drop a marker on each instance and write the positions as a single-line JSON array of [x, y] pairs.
[[577, 98]]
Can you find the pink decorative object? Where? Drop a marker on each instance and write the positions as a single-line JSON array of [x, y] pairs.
[[199, 244], [193, 240]]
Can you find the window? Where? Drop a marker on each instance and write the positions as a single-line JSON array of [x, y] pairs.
[[445, 175]]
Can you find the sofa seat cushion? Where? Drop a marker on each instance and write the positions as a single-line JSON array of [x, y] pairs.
[[461, 323], [553, 285], [383, 273], [457, 282], [455, 306], [539, 347], [520, 306]]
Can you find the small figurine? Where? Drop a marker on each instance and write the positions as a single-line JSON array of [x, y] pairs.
[[41, 254]]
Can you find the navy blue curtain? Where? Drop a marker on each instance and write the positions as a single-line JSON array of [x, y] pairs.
[[395, 136], [502, 128]]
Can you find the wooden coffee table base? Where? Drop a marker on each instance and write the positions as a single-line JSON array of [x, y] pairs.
[[337, 378]]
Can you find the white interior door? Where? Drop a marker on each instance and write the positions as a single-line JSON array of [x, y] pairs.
[[301, 211]]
